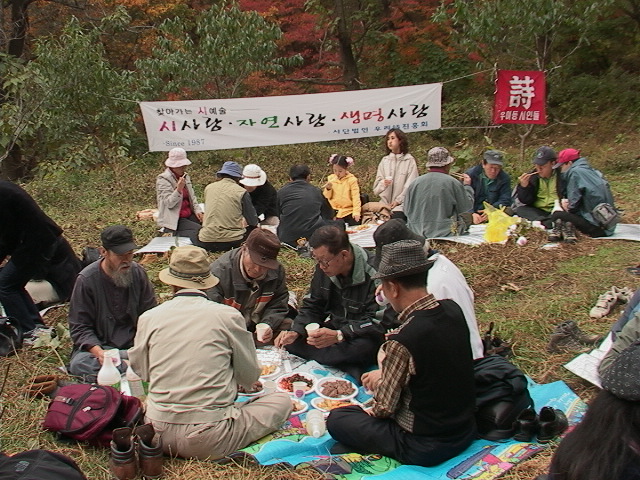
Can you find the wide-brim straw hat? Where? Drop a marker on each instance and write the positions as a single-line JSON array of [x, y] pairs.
[[189, 268]]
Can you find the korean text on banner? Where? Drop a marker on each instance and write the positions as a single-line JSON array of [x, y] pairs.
[[261, 121], [520, 97]]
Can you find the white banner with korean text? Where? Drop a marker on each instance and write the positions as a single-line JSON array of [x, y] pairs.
[[261, 121]]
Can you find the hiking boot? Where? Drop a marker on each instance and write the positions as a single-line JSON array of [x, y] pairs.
[[150, 454], [569, 232], [605, 303], [122, 462], [555, 234], [552, 423]]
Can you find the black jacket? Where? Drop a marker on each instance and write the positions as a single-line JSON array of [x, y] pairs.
[[265, 200], [302, 209]]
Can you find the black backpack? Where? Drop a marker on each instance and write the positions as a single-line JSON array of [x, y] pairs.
[[39, 465], [501, 394]]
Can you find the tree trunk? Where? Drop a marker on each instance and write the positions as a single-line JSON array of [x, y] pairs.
[[13, 166], [350, 74]]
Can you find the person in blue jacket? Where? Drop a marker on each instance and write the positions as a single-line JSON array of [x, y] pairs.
[[584, 188], [490, 184]]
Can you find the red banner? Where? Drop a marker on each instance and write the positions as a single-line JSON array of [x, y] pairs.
[[520, 97]]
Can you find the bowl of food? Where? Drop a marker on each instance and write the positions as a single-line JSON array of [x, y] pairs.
[[284, 383], [269, 370], [299, 406], [256, 389], [336, 388], [327, 404]]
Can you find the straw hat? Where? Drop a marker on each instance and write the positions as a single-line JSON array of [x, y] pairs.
[[188, 268]]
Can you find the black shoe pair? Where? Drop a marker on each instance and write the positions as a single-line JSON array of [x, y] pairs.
[[549, 424]]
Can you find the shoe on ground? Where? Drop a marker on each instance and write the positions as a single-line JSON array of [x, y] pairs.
[[572, 328], [605, 303], [552, 423], [555, 234], [150, 456], [564, 338], [569, 232], [624, 294], [31, 336], [526, 425], [122, 462]]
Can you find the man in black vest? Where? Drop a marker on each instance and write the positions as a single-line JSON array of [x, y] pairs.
[[424, 398]]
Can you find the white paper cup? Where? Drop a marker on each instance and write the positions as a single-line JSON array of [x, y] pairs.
[[269, 386], [312, 327], [390, 178], [114, 355], [299, 389], [261, 330]]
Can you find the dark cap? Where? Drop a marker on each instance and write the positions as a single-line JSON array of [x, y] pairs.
[[493, 157], [391, 231], [118, 239], [263, 247], [402, 258], [544, 155], [621, 378]]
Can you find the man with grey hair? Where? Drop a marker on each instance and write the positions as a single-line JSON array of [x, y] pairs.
[[107, 299], [424, 391], [436, 204]]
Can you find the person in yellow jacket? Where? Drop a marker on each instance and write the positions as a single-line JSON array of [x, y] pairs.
[[342, 190]]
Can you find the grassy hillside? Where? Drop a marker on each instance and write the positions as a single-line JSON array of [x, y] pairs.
[[526, 291]]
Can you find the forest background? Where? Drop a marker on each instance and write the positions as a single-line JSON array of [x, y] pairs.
[[72, 72]]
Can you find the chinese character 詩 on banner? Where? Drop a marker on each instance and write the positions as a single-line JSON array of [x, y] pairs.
[[520, 97]]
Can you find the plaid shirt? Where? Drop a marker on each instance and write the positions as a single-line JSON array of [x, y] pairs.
[[392, 397]]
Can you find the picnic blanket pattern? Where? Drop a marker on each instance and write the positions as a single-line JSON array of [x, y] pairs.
[[483, 460]]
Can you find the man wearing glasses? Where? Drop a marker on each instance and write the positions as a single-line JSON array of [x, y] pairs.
[[342, 303]]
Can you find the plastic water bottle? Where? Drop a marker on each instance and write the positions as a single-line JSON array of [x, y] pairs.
[[109, 374], [316, 426], [135, 384]]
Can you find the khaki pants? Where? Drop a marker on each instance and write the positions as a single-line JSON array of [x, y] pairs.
[[257, 418]]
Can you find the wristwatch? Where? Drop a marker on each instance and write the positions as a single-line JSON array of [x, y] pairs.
[[339, 336]]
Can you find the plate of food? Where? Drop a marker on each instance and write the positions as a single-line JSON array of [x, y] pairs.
[[299, 406], [335, 388], [357, 228], [284, 383], [327, 404], [269, 370], [255, 390]]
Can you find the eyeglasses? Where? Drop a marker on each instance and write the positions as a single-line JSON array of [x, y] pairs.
[[324, 263]]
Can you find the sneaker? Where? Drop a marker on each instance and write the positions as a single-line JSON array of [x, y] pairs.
[[569, 232], [605, 303], [555, 234], [572, 328], [32, 336], [624, 294]]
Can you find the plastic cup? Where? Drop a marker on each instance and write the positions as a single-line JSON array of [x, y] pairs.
[[299, 389], [114, 355], [312, 327], [269, 386], [261, 330]]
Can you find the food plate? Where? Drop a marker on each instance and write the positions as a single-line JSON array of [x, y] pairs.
[[284, 382], [270, 371], [326, 404], [358, 228], [252, 394], [330, 387], [301, 404]]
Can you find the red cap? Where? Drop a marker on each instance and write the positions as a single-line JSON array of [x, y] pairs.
[[567, 155]]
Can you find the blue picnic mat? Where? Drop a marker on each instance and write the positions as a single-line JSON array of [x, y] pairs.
[[482, 460]]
